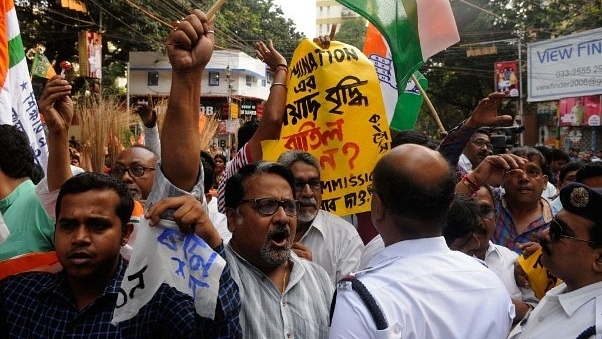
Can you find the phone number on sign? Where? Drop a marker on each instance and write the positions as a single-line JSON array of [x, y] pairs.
[[579, 71]]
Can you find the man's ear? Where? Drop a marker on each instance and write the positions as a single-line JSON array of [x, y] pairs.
[[126, 231], [597, 263], [545, 181], [377, 208], [231, 217]]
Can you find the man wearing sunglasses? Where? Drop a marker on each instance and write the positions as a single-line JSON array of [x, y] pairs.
[[572, 251], [283, 296]]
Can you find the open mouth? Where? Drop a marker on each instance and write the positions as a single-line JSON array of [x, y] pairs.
[[279, 237]]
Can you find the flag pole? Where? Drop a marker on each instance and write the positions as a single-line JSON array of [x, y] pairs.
[[430, 105]]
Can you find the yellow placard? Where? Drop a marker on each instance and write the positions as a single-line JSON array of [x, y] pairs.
[[335, 111], [540, 279]]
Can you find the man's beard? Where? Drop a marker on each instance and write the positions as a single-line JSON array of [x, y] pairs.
[[275, 256], [305, 216]]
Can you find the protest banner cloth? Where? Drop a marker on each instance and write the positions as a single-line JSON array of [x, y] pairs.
[[162, 254], [18, 106], [335, 111]]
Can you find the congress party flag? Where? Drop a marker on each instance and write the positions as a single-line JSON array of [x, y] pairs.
[[18, 105], [414, 29], [42, 67], [402, 104]]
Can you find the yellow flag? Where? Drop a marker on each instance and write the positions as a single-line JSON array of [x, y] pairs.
[[335, 111]]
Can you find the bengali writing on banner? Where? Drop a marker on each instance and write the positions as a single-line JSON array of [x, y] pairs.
[[162, 254], [18, 104], [335, 111]]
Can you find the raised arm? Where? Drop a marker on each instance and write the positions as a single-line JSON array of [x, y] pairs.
[[271, 123], [57, 108], [189, 47]]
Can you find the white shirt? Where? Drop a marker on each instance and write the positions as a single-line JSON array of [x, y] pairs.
[[464, 165], [563, 315], [372, 248], [425, 290], [501, 261], [549, 192], [219, 220], [335, 245]]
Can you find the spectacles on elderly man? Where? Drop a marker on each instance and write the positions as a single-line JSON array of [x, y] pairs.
[[134, 171]]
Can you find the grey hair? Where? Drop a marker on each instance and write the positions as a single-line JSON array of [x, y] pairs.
[[288, 158]]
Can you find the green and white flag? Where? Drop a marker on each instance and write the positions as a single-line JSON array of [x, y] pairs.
[[414, 30], [18, 104]]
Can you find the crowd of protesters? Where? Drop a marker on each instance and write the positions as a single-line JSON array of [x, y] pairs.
[[458, 227]]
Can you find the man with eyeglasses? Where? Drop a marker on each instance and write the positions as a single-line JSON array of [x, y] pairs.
[[478, 147], [135, 166], [572, 251], [321, 236], [283, 296]]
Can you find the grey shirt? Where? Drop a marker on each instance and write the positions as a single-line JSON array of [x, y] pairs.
[[303, 310]]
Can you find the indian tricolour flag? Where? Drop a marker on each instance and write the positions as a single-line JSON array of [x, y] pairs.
[[18, 105], [402, 104], [415, 30]]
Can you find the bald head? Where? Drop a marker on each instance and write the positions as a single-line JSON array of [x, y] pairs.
[[416, 184]]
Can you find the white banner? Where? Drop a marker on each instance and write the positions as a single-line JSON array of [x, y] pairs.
[[569, 66]]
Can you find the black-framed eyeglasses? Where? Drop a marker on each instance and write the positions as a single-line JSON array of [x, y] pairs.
[[557, 228], [134, 171], [269, 206], [314, 185], [481, 143]]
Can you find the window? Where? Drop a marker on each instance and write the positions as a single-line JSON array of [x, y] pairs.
[[250, 80], [213, 78], [153, 78], [263, 82], [270, 77]]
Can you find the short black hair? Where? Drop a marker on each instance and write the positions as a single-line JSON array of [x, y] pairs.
[[462, 220], [569, 167], [208, 170], [235, 188], [589, 170], [532, 154], [88, 181], [558, 154], [16, 155]]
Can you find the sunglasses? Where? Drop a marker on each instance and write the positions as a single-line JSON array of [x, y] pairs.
[[557, 231], [269, 206]]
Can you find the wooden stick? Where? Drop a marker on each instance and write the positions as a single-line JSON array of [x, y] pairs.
[[216, 6], [430, 105]]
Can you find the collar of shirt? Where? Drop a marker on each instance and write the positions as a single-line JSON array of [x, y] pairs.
[[572, 301], [14, 195], [297, 270], [59, 285], [317, 224], [409, 248]]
